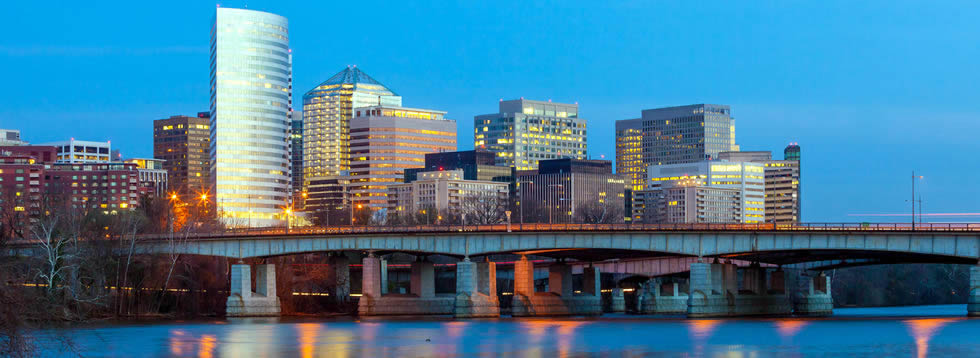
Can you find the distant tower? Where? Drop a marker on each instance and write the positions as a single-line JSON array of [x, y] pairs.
[[792, 152], [251, 87]]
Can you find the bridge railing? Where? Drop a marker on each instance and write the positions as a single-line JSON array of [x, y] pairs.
[[542, 227]]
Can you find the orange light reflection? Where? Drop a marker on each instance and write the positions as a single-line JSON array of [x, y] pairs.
[[923, 330]]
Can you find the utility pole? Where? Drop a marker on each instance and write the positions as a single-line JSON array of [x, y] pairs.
[[913, 200]]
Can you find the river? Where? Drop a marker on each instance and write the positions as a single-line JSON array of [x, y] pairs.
[[921, 331]]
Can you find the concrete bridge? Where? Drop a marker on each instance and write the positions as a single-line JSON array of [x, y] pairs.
[[717, 287]]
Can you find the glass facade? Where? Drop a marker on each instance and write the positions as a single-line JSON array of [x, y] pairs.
[[327, 112], [251, 92], [525, 132]]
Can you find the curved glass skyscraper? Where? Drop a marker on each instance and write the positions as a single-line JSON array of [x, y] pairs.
[[251, 100]]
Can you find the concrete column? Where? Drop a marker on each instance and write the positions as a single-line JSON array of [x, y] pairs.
[[524, 277], [423, 279], [384, 277], [465, 277], [701, 278], [242, 302], [677, 289], [617, 300], [717, 274], [471, 279], [973, 302], [486, 278], [560, 279], [752, 280], [265, 280], [777, 282], [730, 279], [338, 277], [591, 281], [371, 277], [241, 281], [816, 300]]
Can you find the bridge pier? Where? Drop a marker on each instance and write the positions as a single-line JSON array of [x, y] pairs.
[[476, 290], [715, 291], [973, 302], [422, 300], [815, 300], [242, 302], [561, 299], [660, 297], [616, 301], [709, 296]]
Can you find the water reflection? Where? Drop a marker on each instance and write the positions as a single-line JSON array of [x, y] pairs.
[[923, 330], [701, 328], [206, 347], [308, 333], [541, 337], [789, 327]]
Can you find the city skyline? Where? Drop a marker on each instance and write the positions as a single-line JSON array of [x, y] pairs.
[[841, 134]]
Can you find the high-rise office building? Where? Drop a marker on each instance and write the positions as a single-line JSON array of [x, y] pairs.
[[386, 140], [570, 190], [782, 182], [251, 106], [707, 192], [525, 132], [184, 144], [327, 111], [672, 135]]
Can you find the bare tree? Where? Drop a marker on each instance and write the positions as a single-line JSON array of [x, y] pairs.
[[599, 212], [483, 208]]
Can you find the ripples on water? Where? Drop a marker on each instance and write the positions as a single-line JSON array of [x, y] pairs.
[[907, 332]]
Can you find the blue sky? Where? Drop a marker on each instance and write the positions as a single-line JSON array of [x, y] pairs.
[[871, 90]]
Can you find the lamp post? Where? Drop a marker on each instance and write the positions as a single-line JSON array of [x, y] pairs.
[[173, 201], [914, 177], [289, 215]]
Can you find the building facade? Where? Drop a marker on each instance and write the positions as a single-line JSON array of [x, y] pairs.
[[783, 182], [525, 132], [327, 112], [454, 199], [80, 151], [712, 184], [476, 164], [387, 140], [10, 137], [153, 176], [184, 145], [571, 190], [296, 156], [672, 135], [251, 108]]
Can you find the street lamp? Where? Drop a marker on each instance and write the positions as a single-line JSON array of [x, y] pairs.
[[289, 215], [914, 177]]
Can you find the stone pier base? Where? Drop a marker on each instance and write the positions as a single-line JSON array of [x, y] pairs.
[[476, 290], [973, 303], [816, 299], [614, 301], [662, 298], [394, 305], [560, 301], [715, 292], [242, 302]]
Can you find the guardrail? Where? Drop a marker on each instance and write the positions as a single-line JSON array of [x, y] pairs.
[[423, 229]]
